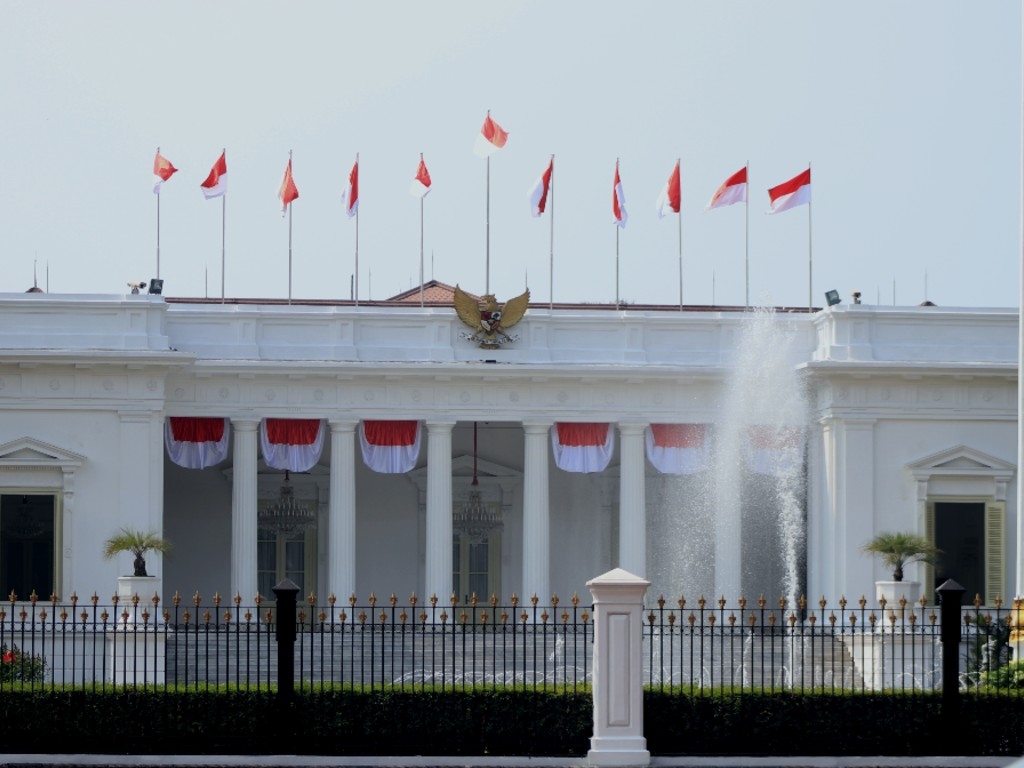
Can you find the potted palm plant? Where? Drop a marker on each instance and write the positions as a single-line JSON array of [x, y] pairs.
[[139, 584], [898, 550], [138, 543]]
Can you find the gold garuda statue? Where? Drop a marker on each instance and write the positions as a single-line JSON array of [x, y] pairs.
[[488, 321]]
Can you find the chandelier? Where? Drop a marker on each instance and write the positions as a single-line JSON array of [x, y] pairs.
[[26, 525], [476, 520], [287, 515]]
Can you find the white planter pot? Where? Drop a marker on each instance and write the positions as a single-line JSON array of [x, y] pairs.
[[894, 591], [143, 586]]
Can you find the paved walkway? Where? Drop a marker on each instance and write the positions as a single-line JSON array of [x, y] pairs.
[[304, 761]]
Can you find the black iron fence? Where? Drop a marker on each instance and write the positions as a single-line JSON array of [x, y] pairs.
[[698, 648]]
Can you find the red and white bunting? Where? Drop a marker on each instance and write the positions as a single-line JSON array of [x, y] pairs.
[[678, 449], [583, 447], [390, 447], [775, 451], [294, 444], [196, 443]]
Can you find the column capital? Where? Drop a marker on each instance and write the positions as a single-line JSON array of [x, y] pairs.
[[439, 425], [631, 427], [342, 425], [536, 427], [245, 423]]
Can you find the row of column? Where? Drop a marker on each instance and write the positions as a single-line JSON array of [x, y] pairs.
[[341, 528]]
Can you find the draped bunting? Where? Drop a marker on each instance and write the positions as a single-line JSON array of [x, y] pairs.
[[775, 451], [584, 447], [677, 449], [390, 447], [294, 444], [196, 443]]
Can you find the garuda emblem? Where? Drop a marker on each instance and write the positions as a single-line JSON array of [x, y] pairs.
[[488, 321]]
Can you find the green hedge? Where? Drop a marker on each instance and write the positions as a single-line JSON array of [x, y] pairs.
[[498, 722]]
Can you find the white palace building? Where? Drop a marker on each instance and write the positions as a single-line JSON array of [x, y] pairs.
[[713, 451]]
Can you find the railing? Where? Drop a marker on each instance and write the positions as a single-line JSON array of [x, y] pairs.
[[374, 645], [698, 648]]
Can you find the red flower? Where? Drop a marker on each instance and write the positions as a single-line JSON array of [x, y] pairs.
[[8, 657]]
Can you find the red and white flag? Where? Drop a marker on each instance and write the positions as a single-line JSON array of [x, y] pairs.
[[216, 183], [677, 449], [350, 197], [539, 191], [790, 194], [671, 195], [734, 190], [491, 138], [618, 200], [196, 443], [390, 447], [162, 171], [421, 182], [288, 192], [582, 447], [294, 444], [775, 451]]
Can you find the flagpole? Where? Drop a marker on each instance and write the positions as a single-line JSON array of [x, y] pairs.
[[551, 257], [617, 228], [421, 241], [289, 238], [158, 224], [746, 238], [223, 229], [487, 277], [357, 243], [810, 254], [680, 214]]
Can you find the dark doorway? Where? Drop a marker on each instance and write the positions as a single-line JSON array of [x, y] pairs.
[[27, 545], [960, 534]]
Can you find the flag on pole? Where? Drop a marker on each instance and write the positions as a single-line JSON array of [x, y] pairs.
[[350, 197], [733, 190], [216, 183], [790, 194], [539, 191], [288, 192], [670, 196], [492, 137], [421, 182], [162, 171], [619, 200]]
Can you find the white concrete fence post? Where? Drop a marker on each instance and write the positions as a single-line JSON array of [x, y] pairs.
[[618, 738]]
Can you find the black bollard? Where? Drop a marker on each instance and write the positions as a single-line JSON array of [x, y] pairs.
[[286, 592], [950, 597]]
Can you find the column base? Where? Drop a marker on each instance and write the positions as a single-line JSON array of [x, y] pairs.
[[620, 753]]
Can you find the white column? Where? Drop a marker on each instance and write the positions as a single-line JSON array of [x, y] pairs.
[[855, 513], [438, 571], [341, 524], [632, 500], [243, 510], [618, 738], [536, 515]]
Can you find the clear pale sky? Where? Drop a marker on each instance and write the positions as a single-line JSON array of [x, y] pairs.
[[909, 113]]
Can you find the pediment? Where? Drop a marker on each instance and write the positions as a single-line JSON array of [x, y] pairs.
[[962, 460], [28, 452]]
